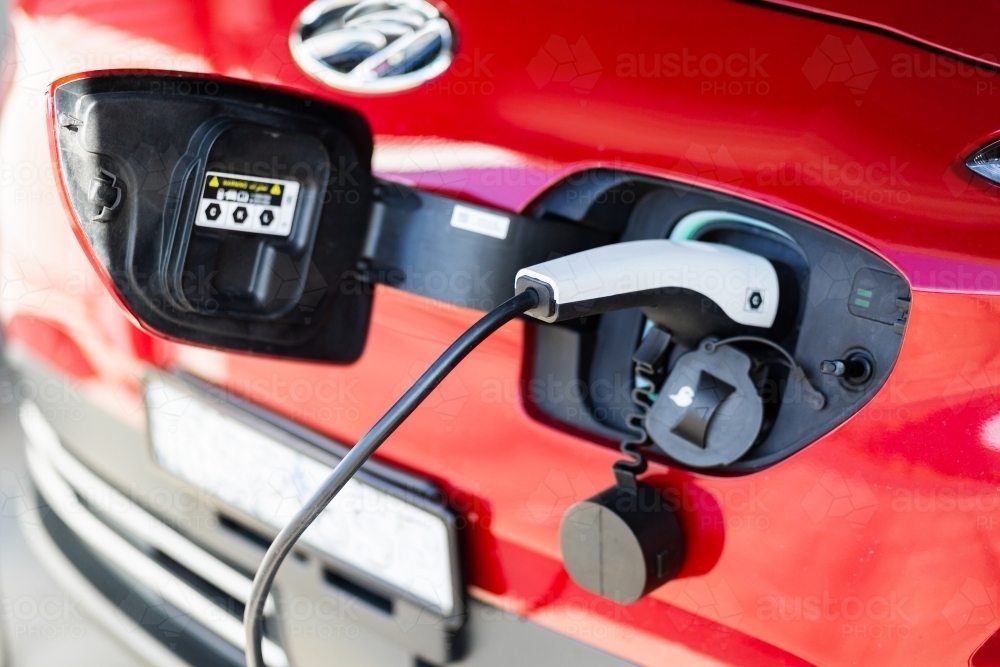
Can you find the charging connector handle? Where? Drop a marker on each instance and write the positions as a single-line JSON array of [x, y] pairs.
[[639, 273], [360, 453]]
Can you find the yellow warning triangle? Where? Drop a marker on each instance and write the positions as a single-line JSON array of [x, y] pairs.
[[275, 189], [214, 183]]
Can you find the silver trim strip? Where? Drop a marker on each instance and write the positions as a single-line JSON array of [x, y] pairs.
[[118, 509], [93, 604], [116, 549]]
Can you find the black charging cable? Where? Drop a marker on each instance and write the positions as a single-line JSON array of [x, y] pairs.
[[352, 462], [814, 397]]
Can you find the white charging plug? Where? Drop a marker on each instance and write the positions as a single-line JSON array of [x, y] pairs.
[[640, 273]]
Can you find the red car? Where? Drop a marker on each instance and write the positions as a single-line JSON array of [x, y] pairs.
[[762, 241]]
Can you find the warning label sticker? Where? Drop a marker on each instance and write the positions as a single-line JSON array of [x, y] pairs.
[[247, 203]]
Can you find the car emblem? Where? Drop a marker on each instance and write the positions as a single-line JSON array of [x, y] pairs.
[[374, 46]]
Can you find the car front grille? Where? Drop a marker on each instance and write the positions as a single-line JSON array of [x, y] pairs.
[[159, 560]]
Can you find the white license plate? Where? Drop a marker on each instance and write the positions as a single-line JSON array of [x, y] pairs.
[[390, 535]]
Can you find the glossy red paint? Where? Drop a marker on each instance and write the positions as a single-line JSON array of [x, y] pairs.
[[988, 654], [51, 343], [876, 544], [964, 30]]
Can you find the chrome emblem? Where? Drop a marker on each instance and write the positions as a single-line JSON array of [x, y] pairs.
[[374, 46]]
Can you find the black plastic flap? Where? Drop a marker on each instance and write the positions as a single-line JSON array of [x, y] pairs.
[[227, 215]]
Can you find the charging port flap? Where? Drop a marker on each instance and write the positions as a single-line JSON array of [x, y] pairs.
[[221, 214]]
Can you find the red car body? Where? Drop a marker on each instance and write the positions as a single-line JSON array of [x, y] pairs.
[[876, 544]]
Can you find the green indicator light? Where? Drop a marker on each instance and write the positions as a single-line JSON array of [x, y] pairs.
[[862, 302], [866, 293]]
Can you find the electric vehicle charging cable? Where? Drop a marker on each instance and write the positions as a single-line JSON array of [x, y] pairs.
[[352, 462], [599, 280]]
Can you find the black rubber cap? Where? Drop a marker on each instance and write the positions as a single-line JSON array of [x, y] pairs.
[[622, 544], [708, 412]]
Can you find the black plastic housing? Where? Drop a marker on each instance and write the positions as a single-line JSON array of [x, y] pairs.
[[819, 273], [148, 140], [412, 245]]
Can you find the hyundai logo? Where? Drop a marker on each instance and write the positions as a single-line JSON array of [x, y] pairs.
[[374, 46]]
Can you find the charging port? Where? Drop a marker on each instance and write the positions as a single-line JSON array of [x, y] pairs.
[[816, 321]]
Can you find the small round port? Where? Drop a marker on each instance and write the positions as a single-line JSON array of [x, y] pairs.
[[855, 369]]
